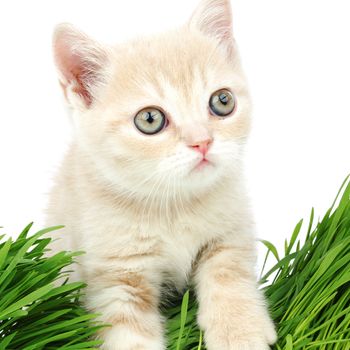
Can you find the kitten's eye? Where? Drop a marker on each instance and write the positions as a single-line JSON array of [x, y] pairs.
[[222, 102], [150, 120]]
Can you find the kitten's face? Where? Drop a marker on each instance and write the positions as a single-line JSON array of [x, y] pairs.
[[190, 136]]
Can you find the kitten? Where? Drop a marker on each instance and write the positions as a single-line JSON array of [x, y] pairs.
[[151, 187]]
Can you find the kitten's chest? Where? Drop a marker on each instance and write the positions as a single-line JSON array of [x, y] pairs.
[[181, 245]]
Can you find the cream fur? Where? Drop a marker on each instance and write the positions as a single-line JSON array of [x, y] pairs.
[[134, 203]]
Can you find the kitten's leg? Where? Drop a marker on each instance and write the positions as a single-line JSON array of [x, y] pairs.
[[129, 302], [232, 312]]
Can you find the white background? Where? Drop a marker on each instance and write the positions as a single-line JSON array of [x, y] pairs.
[[297, 58]]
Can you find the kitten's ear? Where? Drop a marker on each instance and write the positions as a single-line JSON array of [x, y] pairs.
[[80, 62], [214, 18]]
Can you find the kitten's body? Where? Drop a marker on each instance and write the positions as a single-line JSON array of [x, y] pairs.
[[140, 206], [169, 234]]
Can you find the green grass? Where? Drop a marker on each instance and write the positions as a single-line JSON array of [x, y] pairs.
[[35, 313], [308, 290]]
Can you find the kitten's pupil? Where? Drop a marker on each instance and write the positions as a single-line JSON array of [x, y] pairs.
[[223, 99], [150, 118]]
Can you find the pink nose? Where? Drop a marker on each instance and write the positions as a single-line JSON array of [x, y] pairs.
[[202, 146]]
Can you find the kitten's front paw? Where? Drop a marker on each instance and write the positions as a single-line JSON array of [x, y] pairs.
[[129, 340], [224, 331], [235, 342]]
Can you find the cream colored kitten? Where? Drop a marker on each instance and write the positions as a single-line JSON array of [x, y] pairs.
[[152, 185]]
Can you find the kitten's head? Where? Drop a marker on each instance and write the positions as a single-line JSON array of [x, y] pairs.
[[166, 113]]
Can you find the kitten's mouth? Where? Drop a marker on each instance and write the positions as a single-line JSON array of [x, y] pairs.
[[204, 163]]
